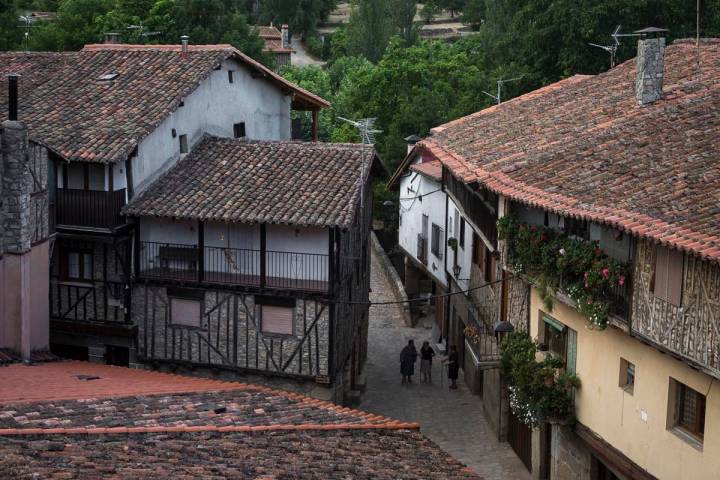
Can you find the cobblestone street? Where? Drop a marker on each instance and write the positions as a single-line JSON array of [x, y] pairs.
[[453, 419]]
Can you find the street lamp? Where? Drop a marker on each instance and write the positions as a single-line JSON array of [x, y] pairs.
[[502, 329], [456, 271]]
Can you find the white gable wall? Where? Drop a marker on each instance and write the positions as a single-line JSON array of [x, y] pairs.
[[412, 210], [213, 108]]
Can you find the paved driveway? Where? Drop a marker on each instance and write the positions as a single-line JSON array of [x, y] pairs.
[[453, 419]]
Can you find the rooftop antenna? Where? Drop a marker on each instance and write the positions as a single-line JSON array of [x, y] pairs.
[[611, 49], [366, 128], [141, 28], [27, 20], [500, 83]]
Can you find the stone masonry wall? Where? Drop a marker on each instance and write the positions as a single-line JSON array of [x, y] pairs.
[[16, 185], [570, 460]]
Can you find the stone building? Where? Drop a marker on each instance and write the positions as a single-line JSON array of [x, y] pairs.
[[116, 120], [24, 234], [277, 44], [625, 161]]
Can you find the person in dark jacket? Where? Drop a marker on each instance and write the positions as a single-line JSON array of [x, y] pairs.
[[453, 366], [408, 357], [426, 356]]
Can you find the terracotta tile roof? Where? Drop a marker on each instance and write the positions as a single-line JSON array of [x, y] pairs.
[[268, 31], [584, 148], [80, 117], [130, 424], [431, 169], [296, 183], [275, 46]]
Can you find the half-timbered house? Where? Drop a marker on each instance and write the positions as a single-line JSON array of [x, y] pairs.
[[252, 256], [114, 119], [624, 162]]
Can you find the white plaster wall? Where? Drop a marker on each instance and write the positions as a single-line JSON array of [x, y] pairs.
[[232, 248], [412, 210], [464, 255], [289, 239], [213, 108], [165, 230]]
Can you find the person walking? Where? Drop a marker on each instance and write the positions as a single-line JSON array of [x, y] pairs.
[[408, 357], [426, 356], [453, 366]]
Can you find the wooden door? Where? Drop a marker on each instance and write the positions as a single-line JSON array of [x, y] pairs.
[[520, 439]]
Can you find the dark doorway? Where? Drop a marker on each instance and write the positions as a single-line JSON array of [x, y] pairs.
[[520, 439], [119, 356], [71, 352], [599, 471]]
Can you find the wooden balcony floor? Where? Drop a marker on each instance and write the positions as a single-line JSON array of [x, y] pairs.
[[224, 278]]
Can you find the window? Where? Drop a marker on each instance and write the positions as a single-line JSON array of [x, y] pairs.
[[461, 240], [667, 280], [560, 340], [239, 130], [490, 265], [186, 307], [276, 315], [183, 144], [77, 265], [686, 410], [627, 376], [436, 241], [478, 250], [230, 76]]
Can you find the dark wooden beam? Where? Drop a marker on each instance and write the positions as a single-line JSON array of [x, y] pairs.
[[263, 254], [315, 127], [201, 251]]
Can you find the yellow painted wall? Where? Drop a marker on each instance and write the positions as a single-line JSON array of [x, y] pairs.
[[616, 415]]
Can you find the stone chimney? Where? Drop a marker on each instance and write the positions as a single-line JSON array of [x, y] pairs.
[[111, 38], [650, 62], [284, 34]]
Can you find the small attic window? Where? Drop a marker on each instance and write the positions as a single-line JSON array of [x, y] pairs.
[[107, 77]]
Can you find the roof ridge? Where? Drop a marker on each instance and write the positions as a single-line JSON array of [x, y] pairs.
[[94, 47], [391, 425]]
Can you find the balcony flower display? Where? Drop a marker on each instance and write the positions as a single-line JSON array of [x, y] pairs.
[[560, 262]]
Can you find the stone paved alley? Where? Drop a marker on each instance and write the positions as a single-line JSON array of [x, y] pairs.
[[453, 419]]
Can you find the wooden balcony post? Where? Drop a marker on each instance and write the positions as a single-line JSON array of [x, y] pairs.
[[263, 254], [201, 251], [315, 126]]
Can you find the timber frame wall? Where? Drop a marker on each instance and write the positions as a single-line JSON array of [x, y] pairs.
[[329, 340]]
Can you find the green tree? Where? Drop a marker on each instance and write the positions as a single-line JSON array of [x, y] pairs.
[[370, 28], [301, 15], [430, 10], [10, 34], [474, 13], [403, 14], [74, 26]]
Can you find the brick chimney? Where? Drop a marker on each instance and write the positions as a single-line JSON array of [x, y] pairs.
[[284, 34], [650, 62]]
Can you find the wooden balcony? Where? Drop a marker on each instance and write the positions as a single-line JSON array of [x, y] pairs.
[[89, 208], [233, 266]]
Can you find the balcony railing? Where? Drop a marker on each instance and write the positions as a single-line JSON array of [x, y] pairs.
[[234, 266], [90, 208], [422, 252]]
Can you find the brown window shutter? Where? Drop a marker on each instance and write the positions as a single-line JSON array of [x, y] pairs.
[[676, 260], [185, 312], [476, 250], [277, 320], [660, 284]]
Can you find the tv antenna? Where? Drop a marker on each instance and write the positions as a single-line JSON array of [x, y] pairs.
[[366, 128], [611, 49], [500, 83], [28, 21], [141, 28]]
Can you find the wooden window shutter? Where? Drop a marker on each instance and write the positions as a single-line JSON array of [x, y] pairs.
[[668, 277], [185, 312], [478, 248], [676, 260], [278, 320], [571, 354]]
